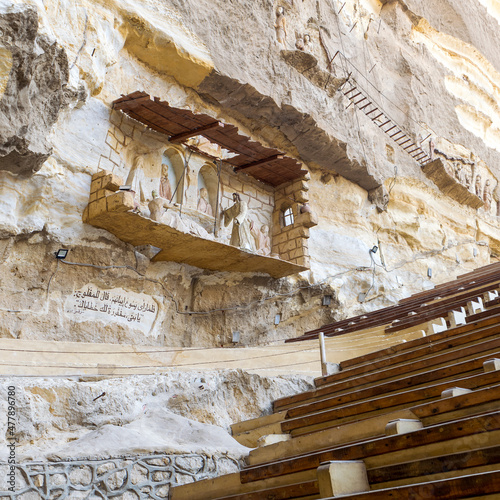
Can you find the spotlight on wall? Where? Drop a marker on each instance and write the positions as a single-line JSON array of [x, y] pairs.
[[62, 253], [277, 319], [235, 337], [474, 252], [429, 272], [327, 300], [374, 249], [125, 188]]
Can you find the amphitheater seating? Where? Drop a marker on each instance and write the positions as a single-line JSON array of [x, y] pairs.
[[465, 287], [420, 419]]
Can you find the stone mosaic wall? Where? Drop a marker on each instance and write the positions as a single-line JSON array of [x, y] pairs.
[[125, 478]]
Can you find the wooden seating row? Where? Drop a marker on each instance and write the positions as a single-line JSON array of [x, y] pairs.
[[295, 477], [428, 412], [479, 281], [396, 318], [330, 384], [472, 325], [389, 449], [484, 485], [369, 389], [444, 346], [464, 281], [421, 419]]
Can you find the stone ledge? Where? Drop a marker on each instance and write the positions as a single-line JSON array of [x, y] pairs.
[[186, 248], [436, 172]]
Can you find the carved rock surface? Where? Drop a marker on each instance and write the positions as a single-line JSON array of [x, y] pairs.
[[34, 91], [108, 417]]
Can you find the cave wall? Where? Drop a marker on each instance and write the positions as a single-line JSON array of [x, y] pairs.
[[432, 70]]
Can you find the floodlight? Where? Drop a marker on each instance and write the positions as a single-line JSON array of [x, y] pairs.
[[62, 253]]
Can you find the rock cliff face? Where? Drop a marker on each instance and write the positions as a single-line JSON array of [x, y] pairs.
[[33, 90], [432, 70], [62, 419]]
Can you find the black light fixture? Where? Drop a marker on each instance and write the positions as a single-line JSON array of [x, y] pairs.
[[125, 188], [326, 301], [374, 249], [62, 253]]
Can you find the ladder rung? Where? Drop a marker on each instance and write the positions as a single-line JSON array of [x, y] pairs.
[[361, 100]]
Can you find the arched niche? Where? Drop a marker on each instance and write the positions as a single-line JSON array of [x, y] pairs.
[[172, 168], [207, 178]]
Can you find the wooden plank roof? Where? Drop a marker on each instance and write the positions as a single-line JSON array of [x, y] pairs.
[[268, 165]]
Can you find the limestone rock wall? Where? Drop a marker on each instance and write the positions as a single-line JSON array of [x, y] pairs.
[[175, 412], [130, 437], [431, 69]]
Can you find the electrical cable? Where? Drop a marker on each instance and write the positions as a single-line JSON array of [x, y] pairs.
[[221, 309]]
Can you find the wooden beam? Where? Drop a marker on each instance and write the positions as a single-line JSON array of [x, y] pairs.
[[259, 162], [132, 103], [196, 131]]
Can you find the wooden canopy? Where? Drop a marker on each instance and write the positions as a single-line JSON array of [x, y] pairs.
[[265, 164]]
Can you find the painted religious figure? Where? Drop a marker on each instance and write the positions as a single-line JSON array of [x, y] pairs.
[[307, 42], [487, 196], [156, 206], [165, 187], [468, 179], [203, 203], [262, 239], [237, 214], [136, 178], [431, 148], [478, 185], [280, 25]]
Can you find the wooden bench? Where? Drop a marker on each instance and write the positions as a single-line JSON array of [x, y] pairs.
[[432, 311], [476, 401], [436, 411], [306, 491], [489, 347], [466, 286], [459, 342], [447, 334], [449, 438], [357, 399], [389, 314], [431, 466], [460, 368], [431, 441], [473, 485]]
